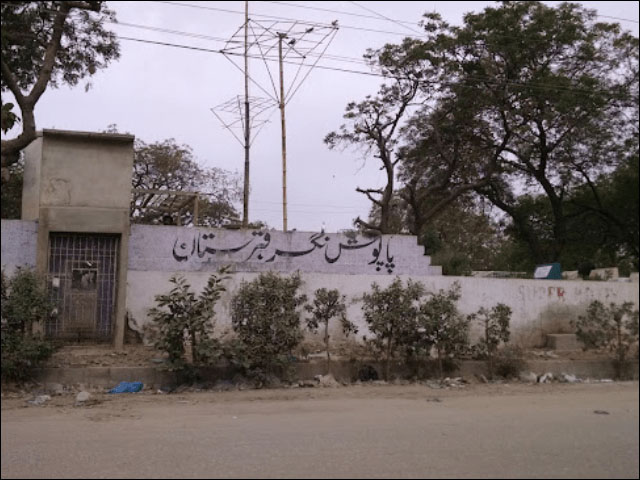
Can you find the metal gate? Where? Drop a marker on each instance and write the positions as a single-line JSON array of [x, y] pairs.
[[82, 278]]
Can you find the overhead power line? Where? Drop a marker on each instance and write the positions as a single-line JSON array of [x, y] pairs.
[[332, 57], [407, 22], [374, 74], [618, 18], [386, 18], [276, 17], [342, 12], [238, 43], [343, 26], [350, 27]]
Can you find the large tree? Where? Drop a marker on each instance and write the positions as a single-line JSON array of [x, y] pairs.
[[48, 44], [168, 166], [534, 100], [447, 152], [562, 88], [374, 124]]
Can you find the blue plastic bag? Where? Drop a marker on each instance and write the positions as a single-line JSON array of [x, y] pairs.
[[127, 387]]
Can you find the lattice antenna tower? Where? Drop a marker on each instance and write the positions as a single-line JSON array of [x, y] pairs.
[[231, 115], [296, 43]]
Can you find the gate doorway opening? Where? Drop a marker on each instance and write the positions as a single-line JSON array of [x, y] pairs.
[[82, 273]]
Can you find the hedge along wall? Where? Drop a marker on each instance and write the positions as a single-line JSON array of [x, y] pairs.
[[539, 306]]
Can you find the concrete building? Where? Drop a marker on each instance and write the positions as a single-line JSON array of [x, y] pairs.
[[77, 187]]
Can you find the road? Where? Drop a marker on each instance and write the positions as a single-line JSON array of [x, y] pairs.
[[482, 431]]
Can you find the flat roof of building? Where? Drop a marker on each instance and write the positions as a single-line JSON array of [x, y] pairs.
[[113, 137]]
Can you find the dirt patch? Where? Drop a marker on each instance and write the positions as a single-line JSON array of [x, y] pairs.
[[105, 356], [105, 406], [143, 356]]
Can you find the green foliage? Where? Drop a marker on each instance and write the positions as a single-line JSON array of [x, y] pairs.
[[509, 361], [11, 203], [495, 325], [391, 315], [537, 107], [453, 263], [27, 32], [167, 165], [328, 304], [22, 354], [7, 119], [50, 43], [441, 325], [25, 302], [614, 327], [265, 316], [181, 317]]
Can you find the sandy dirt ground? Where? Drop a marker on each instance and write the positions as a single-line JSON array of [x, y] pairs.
[[367, 431], [143, 356]]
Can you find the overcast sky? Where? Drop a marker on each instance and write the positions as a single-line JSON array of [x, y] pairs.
[[159, 92]]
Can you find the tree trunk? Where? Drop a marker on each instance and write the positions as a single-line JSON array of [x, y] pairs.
[[387, 361], [326, 344]]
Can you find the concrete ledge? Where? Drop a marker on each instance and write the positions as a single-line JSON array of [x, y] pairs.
[[342, 370]]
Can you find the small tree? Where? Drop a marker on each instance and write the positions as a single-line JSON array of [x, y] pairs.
[[441, 325], [265, 316], [614, 327], [495, 324], [180, 316], [391, 314], [328, 304], [25, 302]]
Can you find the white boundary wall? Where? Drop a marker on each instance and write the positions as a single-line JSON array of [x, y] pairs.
[[539, 306], [19, 243]]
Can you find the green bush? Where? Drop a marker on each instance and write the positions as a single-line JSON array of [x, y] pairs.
[[391, 315], [441, 326], [509, 361], [180, 317], [614, 327], [25, 303], [328, 304], [495, 329], [265, 316]]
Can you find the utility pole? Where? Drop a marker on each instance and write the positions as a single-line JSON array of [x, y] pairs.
[[247, 121], [282, 36], [304, 42]]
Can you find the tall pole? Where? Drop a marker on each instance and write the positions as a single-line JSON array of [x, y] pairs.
[[284, 137], [247, 133]]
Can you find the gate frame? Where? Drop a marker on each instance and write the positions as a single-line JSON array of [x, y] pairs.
[[118, 239]]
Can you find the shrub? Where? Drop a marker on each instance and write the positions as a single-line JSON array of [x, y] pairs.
[[180, 317], [391, 314], [442, 326], [509, 361], [328, 304], [614, 327], [265, 317], [25, 302], [495, 325]]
